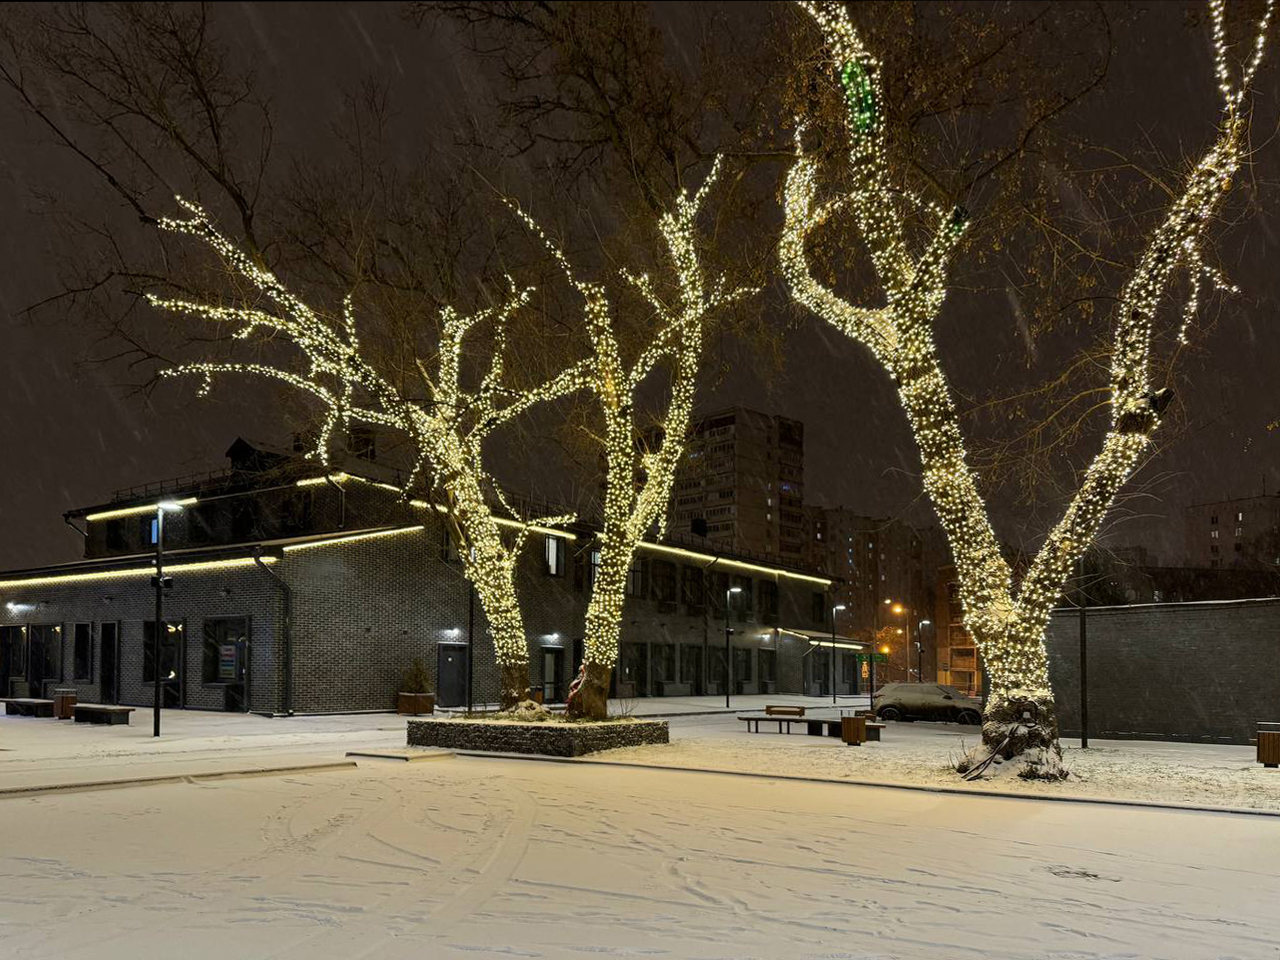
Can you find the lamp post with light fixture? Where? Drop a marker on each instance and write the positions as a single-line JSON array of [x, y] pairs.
[[920, 649], [837, 607], [728, 651], [160, 581]]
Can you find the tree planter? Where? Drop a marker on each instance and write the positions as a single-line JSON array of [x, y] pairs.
[[415, 704], [552, 738]]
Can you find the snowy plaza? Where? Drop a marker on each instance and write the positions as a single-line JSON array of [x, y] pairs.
[[450, 856]]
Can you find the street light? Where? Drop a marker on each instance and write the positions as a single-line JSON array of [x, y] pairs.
[[159, 580], [728, 652], [920, 648], [837, 607]]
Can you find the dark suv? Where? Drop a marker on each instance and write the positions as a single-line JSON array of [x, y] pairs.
[[925, 701]]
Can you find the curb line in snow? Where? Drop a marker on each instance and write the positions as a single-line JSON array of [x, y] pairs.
[[86, 785], [918, 787]]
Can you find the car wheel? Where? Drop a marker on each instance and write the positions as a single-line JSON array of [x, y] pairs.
[[889, 713], [968, 718]]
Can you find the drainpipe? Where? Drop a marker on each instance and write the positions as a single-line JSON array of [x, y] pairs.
[[286, 593], [342, 500]]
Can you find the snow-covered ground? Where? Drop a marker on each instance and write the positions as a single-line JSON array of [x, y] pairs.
[[466, 858], [921, 754]]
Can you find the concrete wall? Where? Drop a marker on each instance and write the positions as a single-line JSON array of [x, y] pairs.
[[1185, 671]]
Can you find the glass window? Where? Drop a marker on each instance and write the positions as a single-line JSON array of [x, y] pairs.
[[170, 642], [13, 655], [636, 579], [115, 535], [693, 587], [768, 666], [768, 599], [742, 665], [664, 581], [593, 568], [818, 608], [664, 661], [555, 556], [83, 652], [224, 649]]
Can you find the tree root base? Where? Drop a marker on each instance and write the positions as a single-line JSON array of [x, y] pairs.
[[1019, 738]]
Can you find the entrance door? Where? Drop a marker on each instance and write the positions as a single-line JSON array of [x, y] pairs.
[[451, 675], [13, 661], [108, 638], [43, 655], [551, 665]]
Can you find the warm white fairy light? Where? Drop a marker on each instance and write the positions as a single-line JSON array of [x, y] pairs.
[[1008, 625], [447, 433], [630, 508]]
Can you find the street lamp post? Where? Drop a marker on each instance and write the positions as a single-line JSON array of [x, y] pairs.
[[160, 583], [920, 648], [728, 650], [837, 607]]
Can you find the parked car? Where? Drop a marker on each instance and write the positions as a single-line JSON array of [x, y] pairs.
[[925, 701]]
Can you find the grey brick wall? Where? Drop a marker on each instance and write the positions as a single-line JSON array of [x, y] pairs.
[[1185, 671], [364, 608]]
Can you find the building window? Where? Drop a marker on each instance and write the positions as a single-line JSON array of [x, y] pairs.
[[83, 664], [693, 588], [555, 556], [818, 608], [225, 641], [593, 568], [150, 530], [1239, 531], [1239, 516], [115, 535], [742, 665], [743, 601], [1239, 547], [1213, 534], [768, 600], [170, 644], [664, 581], [636, 579], [768, 666], [13, 654]]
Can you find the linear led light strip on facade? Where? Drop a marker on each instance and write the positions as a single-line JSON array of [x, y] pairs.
[[138, 511], [134, 572]]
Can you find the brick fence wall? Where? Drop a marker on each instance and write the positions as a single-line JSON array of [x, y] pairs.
[[1183, 671]]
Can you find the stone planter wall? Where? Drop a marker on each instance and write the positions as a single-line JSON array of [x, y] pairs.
[[549, 739]]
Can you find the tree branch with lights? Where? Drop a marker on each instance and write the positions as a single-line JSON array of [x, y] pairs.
[[1007, 620], [447, 432], [640, 464]]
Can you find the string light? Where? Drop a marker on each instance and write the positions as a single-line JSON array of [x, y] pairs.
[[1007, 625]]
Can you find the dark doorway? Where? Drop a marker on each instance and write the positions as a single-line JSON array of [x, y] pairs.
[[108, 654], [13, 661], [691, 668], [225, 653], [172, 637], [552, 665], [451, 675], [633, 670], [44, 654]]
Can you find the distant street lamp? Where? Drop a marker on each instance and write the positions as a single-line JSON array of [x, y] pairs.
[[838, 606], [160, 581], [920, 648], [728, 650]]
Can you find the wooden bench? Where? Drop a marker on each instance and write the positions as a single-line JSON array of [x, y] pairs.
[[28, 707], [102, 713], [784, 710], [814, 726]]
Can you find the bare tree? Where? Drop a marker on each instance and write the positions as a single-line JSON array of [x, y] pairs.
[[1007, 622]]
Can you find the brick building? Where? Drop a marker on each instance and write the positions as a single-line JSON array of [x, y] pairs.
[[313, 593]]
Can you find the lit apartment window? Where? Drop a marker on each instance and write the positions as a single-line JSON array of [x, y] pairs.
[[1239, 516], [1213, 534], [555, 556], [1239, 531]]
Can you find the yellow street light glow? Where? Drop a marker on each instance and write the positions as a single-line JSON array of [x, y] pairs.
[[739, 564], [897, 608], [885, 648], [132, 572], [138, 511], [330, 541]]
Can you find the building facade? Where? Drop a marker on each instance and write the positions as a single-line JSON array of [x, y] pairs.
[[293, 592], [1240, 533], [743, 474]]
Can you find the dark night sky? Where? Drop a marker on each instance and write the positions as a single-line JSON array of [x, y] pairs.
[[71, 437]]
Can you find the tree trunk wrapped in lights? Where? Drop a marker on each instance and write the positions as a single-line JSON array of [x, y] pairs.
[[638, 480], [447, 432], [1007, 623]]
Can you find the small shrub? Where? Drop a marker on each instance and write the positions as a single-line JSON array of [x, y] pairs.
[[416, 679]]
